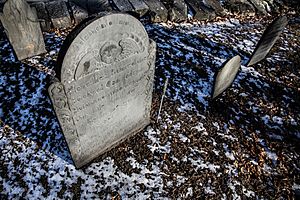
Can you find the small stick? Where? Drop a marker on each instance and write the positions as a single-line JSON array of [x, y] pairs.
[[162, 98]]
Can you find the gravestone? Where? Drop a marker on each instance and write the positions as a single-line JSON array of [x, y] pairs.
[[93, 6], [259, 5], [42, 15], [202, 11], [123, 5], [59, 14], [22, 29], [268, 40], [105, 88], [179, 11], [226, 75], [139, 6], [79, 14], [158, 12]]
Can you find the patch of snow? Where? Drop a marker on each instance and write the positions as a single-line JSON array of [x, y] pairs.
[[277, 120], [183, 138], [153, 136], [208, 191], [180, 180]]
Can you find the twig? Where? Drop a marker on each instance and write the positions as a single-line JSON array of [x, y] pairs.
[[162, 98]]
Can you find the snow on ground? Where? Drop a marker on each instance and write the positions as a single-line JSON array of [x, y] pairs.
[[244, 144]]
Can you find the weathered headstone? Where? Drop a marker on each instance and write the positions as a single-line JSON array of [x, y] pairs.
[[202, 11], [42, 15], [93, 6], [226, 75], [59, 14], [158, 11], [79, 13], [123, 5], [105, 88], [139, 6], [179, 11], [240, 7], [22, 28], [259, 5], [268, 40]]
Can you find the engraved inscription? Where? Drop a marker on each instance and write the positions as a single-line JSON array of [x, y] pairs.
[[119, 84]]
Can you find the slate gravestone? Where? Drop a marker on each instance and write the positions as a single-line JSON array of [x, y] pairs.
[[139, 7], [123, 5], [179, 11], [226, 75], [42, 15], [268, 40], [158, 12], [22, 29], [93, 6], [105, 88], [59, 14], [79, 14], [202, 11]]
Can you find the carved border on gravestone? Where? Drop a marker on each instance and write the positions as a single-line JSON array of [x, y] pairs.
[[62, 109]]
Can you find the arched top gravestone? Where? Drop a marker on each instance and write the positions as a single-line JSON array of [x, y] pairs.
[[22, 28], [105, 88]]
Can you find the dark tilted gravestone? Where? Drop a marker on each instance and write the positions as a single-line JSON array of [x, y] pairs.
[[158, 11], [59, 14], [259, 5], [179, 11], [105, 88], [93, 6], [226, 75], [123, 5], [139, 7], [22, 28], [42, 15], [79, 13], [216, 6], [268, 40], [202, 11]]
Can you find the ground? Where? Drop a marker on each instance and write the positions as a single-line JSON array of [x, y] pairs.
[[243, 145]]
